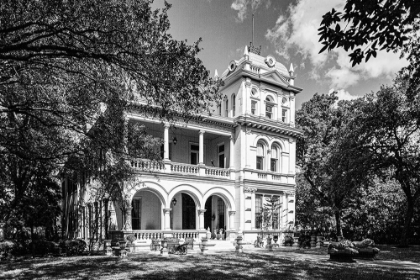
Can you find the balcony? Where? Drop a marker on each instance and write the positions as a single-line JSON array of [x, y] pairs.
[[180, 168], [269, 176]]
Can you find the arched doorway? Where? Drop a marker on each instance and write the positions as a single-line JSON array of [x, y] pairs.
[[183, 214], [146, 212], [215, 216]]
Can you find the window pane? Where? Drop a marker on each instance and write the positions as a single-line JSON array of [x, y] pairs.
[[258, 211], [268, 111], [274, 165], [284, 115], [259, 163], [260, 150], [221, 148], [253, 107], [274, 152]]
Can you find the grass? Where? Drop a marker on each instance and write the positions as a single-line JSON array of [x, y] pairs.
[[258, 264]]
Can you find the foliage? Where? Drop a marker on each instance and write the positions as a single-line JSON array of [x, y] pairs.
[[388, 127], [309, 209], [369, 26], [73, 246], [328, 162], [131, 238], [67, 67]]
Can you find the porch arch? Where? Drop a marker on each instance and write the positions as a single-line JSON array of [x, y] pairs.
[[188, 189], [225, 195], [153, 187]]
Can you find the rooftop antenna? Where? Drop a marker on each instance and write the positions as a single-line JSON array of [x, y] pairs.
[[253, 28], [251, 44]]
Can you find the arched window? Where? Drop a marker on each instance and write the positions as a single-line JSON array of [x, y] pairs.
[[226, 108], [275, 159], [260, 156], [219, 109], [233, 105]]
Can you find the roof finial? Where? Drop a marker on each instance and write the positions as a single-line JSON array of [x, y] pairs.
[[246, 50], [216, 75], [291, 70]]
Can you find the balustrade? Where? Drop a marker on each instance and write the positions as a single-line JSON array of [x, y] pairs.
[[184, 168], [219, 172], [144, 164]]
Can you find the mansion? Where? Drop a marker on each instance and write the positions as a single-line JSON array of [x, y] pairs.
[[232, 170]]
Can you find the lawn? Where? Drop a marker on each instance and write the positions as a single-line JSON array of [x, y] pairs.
[[257, 264]]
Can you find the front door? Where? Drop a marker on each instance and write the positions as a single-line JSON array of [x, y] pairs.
[[188, 212]]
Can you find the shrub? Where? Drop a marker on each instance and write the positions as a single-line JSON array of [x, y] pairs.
[[131, 238], [73, 246], [6, 248], [43, 247]]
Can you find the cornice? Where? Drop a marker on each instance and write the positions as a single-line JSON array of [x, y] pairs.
[[269, 125], [242, 73]]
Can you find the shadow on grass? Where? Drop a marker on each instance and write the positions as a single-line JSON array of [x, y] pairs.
[[221, 266]]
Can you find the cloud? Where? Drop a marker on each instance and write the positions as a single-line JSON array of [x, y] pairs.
[[344, 95], [242, 6], [297, 35]]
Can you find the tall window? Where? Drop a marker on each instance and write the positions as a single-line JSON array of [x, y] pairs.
[[269, 107], [258, 211], [269, 111], [284, 115], [233, 105], [227, 108], [136, 213], [219, 109], [260, 156], [221, 153], [254, 107], [194, 149], [274, 159]]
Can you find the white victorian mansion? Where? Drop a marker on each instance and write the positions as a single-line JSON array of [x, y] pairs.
[[233, 170]]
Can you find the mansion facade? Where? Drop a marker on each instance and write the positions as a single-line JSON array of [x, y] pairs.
[[232, 170]]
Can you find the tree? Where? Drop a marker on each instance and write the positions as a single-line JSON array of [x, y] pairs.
[[388, 128], [366, 26], [65, 65], [372, 24], [328, 161]]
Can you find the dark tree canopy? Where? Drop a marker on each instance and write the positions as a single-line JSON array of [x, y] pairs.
[[366, 26], [67, 67]]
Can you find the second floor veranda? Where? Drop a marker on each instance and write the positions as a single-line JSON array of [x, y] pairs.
[[190, 148]]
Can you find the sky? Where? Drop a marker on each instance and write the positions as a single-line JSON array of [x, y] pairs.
[[285, 29]]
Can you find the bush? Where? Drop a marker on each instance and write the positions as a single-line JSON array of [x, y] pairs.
[[131, 238], [44, 247], [6, 248], [73, 246]]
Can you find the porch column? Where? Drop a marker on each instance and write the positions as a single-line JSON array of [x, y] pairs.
[[232, 220], [285, 210], [253, 209], [167, 212], [127, 224], [166, 141], [201, 147], [201, 218], [232, 154]]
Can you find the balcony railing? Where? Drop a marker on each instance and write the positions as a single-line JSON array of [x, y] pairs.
[[184, 168], [218, 172], [269, 176], [148, 235], [145, 164]]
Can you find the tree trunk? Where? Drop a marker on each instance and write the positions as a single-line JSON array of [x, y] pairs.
[[338, 222], [408, 217]]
